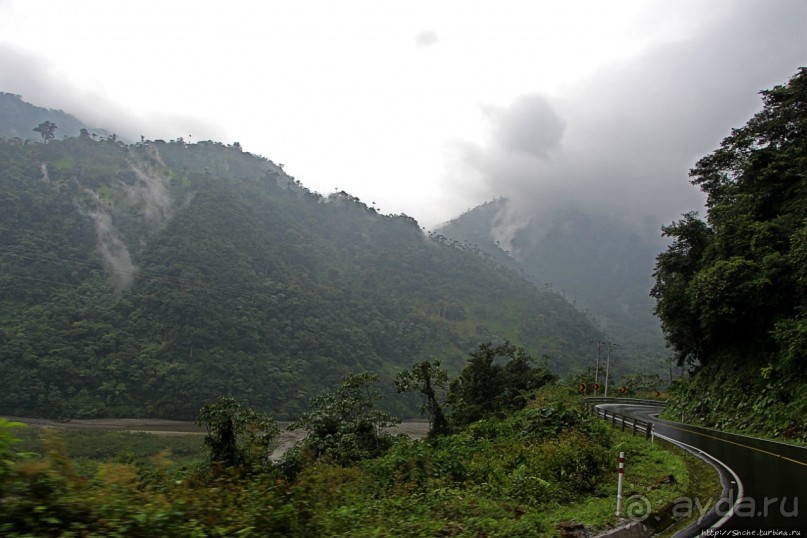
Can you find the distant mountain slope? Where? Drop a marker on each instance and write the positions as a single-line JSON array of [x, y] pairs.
[[143, 280], [604, 267], [18, 119]]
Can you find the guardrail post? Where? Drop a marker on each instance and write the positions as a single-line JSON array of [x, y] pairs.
[[623, 423], [634, 427], [613, 419], [648, 430]]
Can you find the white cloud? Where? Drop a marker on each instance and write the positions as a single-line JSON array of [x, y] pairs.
[[634, 128], [631, 92], [427, 38], [530, 125]]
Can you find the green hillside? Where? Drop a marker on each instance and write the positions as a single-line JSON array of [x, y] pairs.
[[600, 264], [146, 279]]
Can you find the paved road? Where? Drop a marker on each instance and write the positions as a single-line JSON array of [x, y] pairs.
[[773, 475]]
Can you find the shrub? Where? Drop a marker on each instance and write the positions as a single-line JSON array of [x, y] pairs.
[[344, 426]]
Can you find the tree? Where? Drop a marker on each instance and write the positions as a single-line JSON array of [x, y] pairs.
[[344, 425], [732, 288], [47, 130], [640, 382], [674, 273], [585, 377], [426, 377], [495, 380], [7, 453], [236, 435]]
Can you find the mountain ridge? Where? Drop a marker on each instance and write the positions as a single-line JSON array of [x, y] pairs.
[[597, 263], [145, 279], [18, 119]]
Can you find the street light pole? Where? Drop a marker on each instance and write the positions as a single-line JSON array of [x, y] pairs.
[[608, 366]]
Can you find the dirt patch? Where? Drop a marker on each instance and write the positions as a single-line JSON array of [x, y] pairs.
[[415, 429], [148, 425]]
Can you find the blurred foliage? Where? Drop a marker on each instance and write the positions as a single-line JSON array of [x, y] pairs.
[[7, 452], [519, 475]]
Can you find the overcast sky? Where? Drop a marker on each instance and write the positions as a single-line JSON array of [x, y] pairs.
[[424, 107]]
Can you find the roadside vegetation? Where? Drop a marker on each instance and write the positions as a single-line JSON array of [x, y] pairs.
[[530, 465], [731, 289], [742, 401], [86, 448]]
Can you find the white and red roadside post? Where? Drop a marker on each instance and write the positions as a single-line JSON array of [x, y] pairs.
[[619, 487]]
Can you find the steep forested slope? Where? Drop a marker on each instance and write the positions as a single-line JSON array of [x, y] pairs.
[[732, 290], [146, 279], [602, 265]]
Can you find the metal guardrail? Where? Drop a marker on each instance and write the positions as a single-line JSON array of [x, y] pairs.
[[639, 401], [617, 419], [712, 519]]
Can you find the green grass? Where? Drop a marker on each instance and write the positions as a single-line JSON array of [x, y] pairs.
[[648, 469]]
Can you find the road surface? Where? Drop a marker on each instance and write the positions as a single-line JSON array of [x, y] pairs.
[[772, 476]]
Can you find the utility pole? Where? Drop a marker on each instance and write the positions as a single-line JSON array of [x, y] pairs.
[[608, 365], [597, 369]]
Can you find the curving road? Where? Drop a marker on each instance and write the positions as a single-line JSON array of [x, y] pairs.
[[772, 476]]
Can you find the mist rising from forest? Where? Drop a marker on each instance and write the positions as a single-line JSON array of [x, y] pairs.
[[621, 144], [148, 197], [618, 142]]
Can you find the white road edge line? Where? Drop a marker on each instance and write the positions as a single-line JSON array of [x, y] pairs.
[[714, 463], [740, 490]]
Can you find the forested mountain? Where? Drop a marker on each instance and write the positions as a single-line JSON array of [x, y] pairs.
[[600, 264], [732, 290], [19, 119], [146, 279]]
